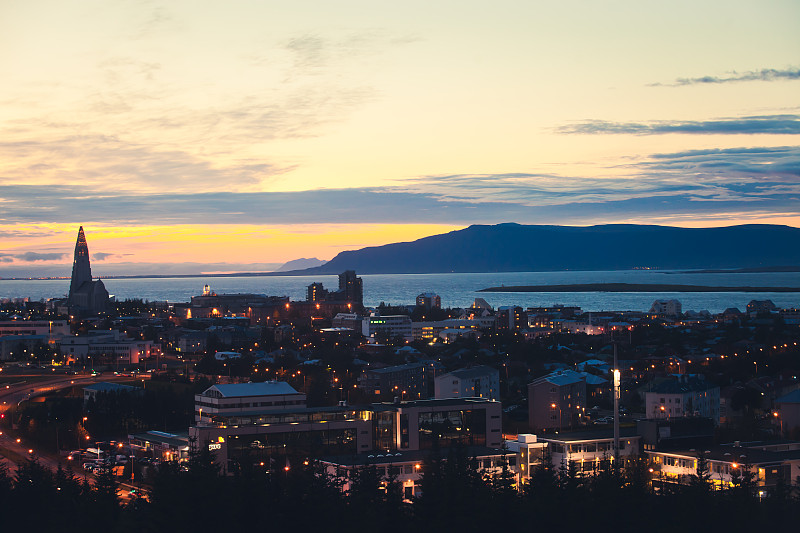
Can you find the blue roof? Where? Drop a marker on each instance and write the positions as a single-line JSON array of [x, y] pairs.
[[792, 397], [266, 388], [105, 386]]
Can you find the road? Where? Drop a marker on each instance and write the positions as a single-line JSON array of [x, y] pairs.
[[13, 449]]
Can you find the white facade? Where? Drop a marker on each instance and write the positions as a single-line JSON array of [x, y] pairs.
[[529, 451], [243, 399], [430, 330], [393, 325], [669, 402], [476, 382], [587, 452], [126, 351], [52, 328], [666, 307]]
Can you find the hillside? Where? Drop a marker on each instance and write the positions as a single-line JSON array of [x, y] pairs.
[[519, 248]]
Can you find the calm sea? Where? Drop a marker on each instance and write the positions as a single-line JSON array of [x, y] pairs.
[[456, 290]]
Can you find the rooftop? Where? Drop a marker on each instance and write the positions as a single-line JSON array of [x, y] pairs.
[[105, 386], [792, 397], [474, 372], [589, 435], [406, 456], [681, 384], [266, 388]]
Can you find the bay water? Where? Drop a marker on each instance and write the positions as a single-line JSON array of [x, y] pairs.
[[455, 289]]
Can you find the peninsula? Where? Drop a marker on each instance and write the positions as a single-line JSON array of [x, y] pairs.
[[633, 287]]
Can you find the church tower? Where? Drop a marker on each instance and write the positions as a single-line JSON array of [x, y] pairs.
[[81, 270], [85, 296]]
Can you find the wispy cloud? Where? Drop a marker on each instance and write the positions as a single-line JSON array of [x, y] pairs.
[[765, 74], [766, 124], [742, 180], [37, 256]]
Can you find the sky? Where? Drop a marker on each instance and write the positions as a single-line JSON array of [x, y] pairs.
[[197, 136]]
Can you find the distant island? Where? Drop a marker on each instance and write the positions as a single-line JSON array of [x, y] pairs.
[[633, 287], [756, 270]]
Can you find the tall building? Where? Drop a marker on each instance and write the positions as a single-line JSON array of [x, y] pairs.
[[85, 295], [351, 287], [429, 300], [316, 293]]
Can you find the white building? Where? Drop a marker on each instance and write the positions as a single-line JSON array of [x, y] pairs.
[[245, 399], [391, 325], [51, 328], [666, 308], [587, 449], [529, 452], [768, 462], [430, 330], [476, 382], [126, 351], [224, 356], [683, 395]]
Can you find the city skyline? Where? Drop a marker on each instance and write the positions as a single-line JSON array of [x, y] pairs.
[[183, 133]]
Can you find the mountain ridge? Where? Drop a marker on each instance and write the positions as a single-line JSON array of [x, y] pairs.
[[512, 247]]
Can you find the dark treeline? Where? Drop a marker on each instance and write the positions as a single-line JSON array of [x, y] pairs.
[[456, 497]]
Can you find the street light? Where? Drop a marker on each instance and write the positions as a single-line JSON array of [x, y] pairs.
[[560, 422], [777, 415]]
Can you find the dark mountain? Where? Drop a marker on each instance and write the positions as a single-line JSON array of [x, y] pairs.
[[518, 248], [299, 264]]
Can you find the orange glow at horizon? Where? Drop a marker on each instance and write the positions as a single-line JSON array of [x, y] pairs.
[[221, 243]]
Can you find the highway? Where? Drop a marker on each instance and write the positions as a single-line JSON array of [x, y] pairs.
[[13, 449]]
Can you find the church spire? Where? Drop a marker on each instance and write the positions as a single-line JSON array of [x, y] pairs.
[[81, 269]]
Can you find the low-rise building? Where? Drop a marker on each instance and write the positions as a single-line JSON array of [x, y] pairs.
[[476, 382], [408, 381], [407, 468], [390, 325], [586, 451], [786, 415], [431, 330], [160, 445], [245, 399], [277, 436], [683, 395], [20, 346], [666, 308], [767, 464], [530, 453], [557, 400], [49, 328]]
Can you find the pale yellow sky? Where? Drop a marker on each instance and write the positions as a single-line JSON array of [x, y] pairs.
[[366, 122]]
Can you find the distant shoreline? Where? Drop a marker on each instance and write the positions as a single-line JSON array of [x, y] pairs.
[[633, 287], [754, 270]]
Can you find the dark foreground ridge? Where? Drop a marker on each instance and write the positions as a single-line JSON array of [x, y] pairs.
[[633, 287]]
